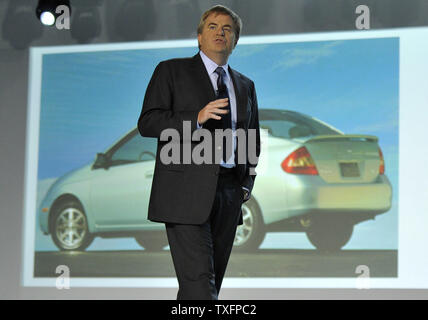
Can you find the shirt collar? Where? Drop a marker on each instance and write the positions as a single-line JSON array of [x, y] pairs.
[[211, 65]]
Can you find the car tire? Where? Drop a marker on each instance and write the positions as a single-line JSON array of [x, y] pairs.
[[152, 240], [69, 228], [329, 234], [252, 232]]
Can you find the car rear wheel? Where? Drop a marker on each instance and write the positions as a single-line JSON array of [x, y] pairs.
[[252, 232], [152, 240], [329, 234], [70, 227]]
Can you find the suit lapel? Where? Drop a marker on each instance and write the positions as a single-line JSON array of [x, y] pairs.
[[202, 79]]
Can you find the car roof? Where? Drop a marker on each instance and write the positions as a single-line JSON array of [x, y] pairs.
[[268, 113], [281, 114]]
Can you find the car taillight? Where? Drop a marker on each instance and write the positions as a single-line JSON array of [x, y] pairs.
[[382, 163], [299, 162]]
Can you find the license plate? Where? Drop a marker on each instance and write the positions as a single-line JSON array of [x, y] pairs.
[[349, 170]]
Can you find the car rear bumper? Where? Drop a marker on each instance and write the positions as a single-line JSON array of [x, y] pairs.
[[310, 194]]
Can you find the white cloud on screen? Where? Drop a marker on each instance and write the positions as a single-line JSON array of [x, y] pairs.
[[298, 56]]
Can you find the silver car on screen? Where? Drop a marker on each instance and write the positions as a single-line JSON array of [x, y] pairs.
[[311, 178]]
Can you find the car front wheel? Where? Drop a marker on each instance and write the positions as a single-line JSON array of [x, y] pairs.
[[70, 227]]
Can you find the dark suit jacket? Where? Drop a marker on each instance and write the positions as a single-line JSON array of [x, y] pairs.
[[177, 91]]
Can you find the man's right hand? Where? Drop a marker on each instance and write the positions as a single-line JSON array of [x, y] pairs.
[[212, 109]]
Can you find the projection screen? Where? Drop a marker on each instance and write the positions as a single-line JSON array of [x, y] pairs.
[[369, 87]]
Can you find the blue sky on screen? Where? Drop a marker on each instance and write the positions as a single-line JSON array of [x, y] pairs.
[[89, 100]]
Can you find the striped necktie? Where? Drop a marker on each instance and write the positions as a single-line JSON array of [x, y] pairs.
[[222, 93]]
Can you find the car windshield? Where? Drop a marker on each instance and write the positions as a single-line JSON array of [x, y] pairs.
[[133, 148], [290, 125]]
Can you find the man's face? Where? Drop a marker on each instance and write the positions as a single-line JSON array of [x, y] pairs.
[[218, 36]]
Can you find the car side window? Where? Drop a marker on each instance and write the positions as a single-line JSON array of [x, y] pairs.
[[136, 149]]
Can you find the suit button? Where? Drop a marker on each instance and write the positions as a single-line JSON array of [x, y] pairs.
[[216, 173]]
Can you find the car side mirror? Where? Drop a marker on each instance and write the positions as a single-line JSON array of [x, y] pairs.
[[101, 161]]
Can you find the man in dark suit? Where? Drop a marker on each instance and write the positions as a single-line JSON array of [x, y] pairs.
[[200, 203]]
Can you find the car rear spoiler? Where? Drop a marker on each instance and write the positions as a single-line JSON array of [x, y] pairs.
[[349, 137]]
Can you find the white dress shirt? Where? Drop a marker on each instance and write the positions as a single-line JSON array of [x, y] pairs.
[[211, 66]]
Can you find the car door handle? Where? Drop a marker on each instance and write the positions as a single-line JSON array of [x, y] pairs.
[[148, 174]]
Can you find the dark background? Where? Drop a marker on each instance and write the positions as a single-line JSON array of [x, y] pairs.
[[138, 20]]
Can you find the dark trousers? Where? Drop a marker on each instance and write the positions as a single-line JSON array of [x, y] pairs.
[[200, 252]]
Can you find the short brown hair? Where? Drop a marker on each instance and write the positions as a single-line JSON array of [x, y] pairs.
[[224, 10]]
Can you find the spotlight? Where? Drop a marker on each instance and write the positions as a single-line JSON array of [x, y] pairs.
[[46, 10], [47, 18]]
